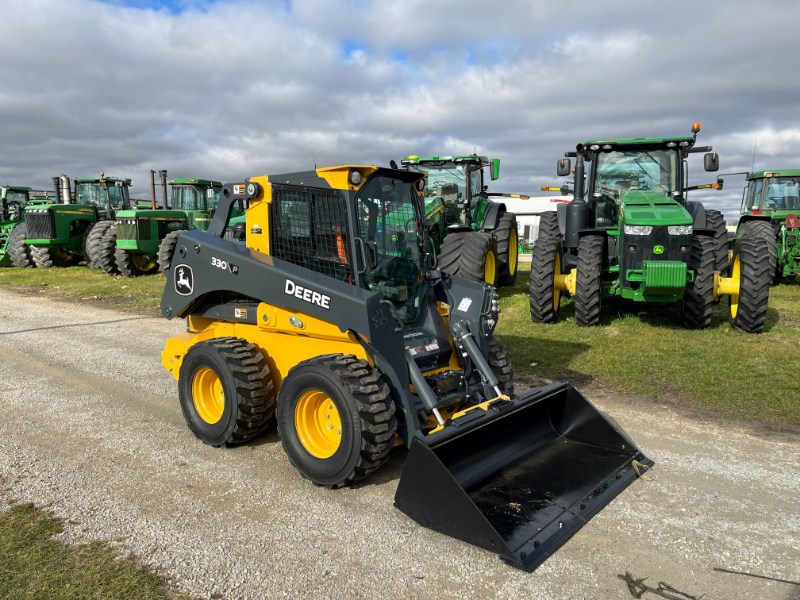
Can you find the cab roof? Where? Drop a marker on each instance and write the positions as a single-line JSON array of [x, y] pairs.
[[207, 182], [774, 173]]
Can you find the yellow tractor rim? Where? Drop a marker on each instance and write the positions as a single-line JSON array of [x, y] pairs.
[[556, 291], [208, 395], [142, 262], [318, 424], [513, 251], [490, 268], [736, 275]]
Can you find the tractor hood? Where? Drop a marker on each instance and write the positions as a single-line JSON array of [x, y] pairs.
[[652, 208]]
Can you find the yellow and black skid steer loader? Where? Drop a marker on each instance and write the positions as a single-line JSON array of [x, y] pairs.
[[324, 314]]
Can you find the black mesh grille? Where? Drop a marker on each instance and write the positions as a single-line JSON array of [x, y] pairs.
[[309, 228], [41, 226]]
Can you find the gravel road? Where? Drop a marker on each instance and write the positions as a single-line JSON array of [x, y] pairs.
[[91, 428]]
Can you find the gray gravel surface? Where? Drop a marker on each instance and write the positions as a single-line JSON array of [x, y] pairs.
[[91, 429]]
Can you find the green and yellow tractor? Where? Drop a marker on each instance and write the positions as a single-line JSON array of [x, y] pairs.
[[143, 238], [771, 211], [474, 236], [632, 232], [70, 230]]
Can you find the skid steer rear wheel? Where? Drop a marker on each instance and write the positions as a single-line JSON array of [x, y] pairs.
[[471, 255], [752, 268], [336, 419], [698, 300], [588, 290], [544, 298], [226, 391], [507, 248]]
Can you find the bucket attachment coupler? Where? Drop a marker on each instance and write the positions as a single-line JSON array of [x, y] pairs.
[[520, 478]]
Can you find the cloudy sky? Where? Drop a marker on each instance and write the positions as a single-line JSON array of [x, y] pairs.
[[231, 88]]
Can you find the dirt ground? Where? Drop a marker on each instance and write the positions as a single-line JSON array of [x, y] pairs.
[[90, 427]]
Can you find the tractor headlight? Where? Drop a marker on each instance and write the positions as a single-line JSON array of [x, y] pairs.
[[680, 229], [638, 229], [355, 177]]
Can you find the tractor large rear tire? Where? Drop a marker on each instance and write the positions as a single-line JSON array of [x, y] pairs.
[[544, 298], [134, 264], [751, 265], [588, 283], [471, 255], [698, 299], [94, 238], [763, 230], [716, 221], [166, 250], [225, 390], [548, 226], [45, 257], [501, 366], [106, 251], [336, 419], [18, 251], [507, 238]]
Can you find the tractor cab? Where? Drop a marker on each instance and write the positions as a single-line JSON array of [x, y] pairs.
[[107, 194], [12, 202]]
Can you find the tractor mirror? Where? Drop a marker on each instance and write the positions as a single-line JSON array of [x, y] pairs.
[[392, 164], [494, 168], [711, 161], [564, 167]]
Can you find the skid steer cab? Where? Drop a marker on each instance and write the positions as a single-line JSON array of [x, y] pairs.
[[330, 322]]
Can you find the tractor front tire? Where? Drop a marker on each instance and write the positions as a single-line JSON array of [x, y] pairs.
[[698, 299], [166, 250], [45, 257], [134, 264], [336, 419], [92, 242], [507, 238], [501, 366], [716, 221], [588, 283], [763, 230], [106, 251], [18, 251], [471, 255], [544, 298], [751, 266], [225, 390]]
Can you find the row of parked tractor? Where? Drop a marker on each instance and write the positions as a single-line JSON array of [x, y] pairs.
[[630, 230]]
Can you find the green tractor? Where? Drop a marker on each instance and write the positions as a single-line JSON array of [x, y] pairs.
[[64, 233], [771, 211], [12, 203], [475, 237], [142, 240], [630, 231]]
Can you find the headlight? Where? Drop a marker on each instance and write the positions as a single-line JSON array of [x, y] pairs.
[[680, 229], [638, 229]]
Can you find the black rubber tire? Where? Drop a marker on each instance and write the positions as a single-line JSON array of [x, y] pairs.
[[764, 231], [106, 251], [541, 291], [698, 299], [94, 237], [465, 253], [366, 410], [507, 252], [716, 221], [501, 366], [131, 264], [588, 284], [46, 257], [18, 251], [244, 374], [548, 226], [754, 273], [166, 250]]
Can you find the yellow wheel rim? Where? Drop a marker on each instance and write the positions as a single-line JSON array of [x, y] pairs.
[[556, 291], [318, 424], [490, 268], [208, 395], [142, 262], [513, 251], [736, 275]]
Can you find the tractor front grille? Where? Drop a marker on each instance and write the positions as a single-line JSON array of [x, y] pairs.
[[656, 247], [41, 225], [126, 229]]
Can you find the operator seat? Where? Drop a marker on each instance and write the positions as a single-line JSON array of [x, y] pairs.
[[452, 211]]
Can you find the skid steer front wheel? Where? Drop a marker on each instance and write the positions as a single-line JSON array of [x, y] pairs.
[[336, 419], [225, 391]]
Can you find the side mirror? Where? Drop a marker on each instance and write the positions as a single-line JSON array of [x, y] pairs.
[[494, 168], [392, 164], [564, 167], [711, 161]]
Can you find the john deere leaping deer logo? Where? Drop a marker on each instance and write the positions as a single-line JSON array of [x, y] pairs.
[[184, 281]]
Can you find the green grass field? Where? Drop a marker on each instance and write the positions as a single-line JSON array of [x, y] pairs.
[[639, 349]]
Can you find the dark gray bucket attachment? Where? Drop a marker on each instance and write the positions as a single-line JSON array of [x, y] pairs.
[[520, 479]]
